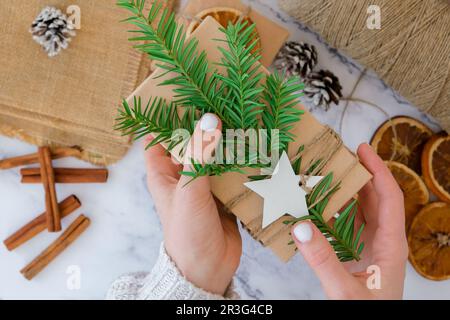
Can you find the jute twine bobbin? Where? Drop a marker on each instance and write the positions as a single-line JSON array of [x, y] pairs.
[[411, 51]]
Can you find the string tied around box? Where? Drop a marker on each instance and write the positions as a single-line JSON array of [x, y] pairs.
[[329, 144]]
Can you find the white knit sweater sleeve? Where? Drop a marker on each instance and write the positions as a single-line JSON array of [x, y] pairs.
[[164, 282]]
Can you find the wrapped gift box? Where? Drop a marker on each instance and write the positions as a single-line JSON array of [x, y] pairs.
[[317, 139]]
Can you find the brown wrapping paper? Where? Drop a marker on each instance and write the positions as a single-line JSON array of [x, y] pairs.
[[343, 163], [272, 36]]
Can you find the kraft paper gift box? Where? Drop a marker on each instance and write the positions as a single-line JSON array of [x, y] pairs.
[[316, 138]]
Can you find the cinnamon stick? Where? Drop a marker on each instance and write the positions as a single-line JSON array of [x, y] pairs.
[[33, 158], [39, 224], [67, 175], [56, 248], [48, 181]]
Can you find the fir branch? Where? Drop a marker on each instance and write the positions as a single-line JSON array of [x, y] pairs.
[[341, 235], [243, 75], [281, 112], [236, 98], [158, 118], [202, 170], [166, 43], [209, 170]]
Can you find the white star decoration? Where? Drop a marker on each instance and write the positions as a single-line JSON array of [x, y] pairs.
[[282, 193]]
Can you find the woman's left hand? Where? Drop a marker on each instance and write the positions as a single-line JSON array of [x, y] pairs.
[[203, 241]]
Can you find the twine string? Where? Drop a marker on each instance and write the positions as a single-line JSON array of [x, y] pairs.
[[350, 98], [330, 143]]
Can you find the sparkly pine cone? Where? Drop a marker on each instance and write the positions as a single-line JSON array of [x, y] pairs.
[[296, 59], [52, 31], [322, 88]]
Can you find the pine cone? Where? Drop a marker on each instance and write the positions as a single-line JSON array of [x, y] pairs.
[[296, 59], [322, 88], [52, 31]]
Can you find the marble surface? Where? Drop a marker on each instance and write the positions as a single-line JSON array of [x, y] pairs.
[[125, 233]]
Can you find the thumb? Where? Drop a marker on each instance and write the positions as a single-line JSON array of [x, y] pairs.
[[318, 253], [201, 149]]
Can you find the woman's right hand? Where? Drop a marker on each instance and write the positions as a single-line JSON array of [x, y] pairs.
[[386, 248]]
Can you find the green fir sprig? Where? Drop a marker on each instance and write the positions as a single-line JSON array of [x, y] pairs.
[[166, 43], [243, 78], [341, 234], [158, 117], [281, 111], [238, 98]]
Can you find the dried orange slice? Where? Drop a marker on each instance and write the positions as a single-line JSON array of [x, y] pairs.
[[402, 139], [429, 241], [223, 15], [414, 189], [436, 166]]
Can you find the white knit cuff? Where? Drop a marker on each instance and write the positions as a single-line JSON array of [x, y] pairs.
[[126, 287], [165, 282]]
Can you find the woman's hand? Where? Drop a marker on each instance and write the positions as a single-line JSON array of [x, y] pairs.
[[204, 242], [382, 209]]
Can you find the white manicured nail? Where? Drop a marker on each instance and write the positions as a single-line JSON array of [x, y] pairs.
[[209, 122], [303, 232]]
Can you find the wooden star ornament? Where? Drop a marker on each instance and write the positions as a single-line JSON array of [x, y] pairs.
[[282, 192]]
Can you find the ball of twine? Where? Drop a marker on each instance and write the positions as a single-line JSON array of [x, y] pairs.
[[411, 51]]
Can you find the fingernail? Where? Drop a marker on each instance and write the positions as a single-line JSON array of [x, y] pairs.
[[303, 232], [209, 122]]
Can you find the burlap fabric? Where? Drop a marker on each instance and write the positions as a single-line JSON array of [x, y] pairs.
[[411, 51], [71, 99]]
